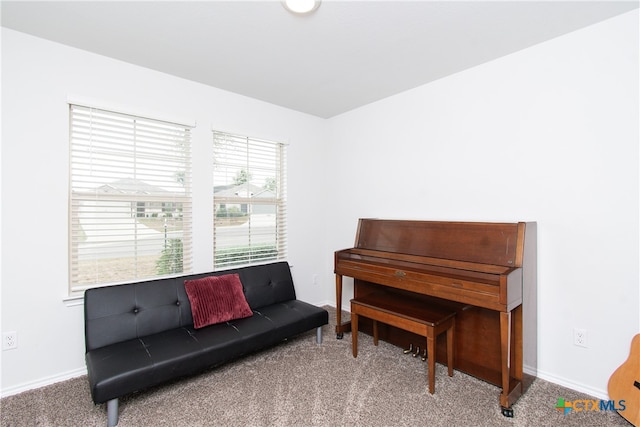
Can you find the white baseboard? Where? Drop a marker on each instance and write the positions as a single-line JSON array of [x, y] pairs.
[[10, 391], [576, 386], [329, 303]]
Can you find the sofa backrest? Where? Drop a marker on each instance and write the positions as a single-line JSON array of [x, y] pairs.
[[122, 312]]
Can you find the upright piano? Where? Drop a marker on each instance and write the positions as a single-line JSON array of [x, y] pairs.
[[485, 271]]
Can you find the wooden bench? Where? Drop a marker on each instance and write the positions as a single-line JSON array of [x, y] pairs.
[[425, 319]]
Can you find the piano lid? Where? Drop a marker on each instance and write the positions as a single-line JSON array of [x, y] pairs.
[[477, 242]]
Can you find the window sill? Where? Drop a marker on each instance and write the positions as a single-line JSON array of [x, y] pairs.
[[72, 301]]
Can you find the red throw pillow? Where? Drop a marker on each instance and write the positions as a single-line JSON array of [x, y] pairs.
[[216, 299]]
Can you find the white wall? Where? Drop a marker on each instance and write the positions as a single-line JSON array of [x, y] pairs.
[[38, 77], [549, 134]]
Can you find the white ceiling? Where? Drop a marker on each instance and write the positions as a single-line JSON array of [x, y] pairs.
[[347, 54]]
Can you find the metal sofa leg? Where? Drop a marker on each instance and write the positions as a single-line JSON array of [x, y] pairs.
[[319, 335], [112, 412]]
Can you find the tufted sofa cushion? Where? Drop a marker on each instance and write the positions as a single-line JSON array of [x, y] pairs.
[[267, 284]]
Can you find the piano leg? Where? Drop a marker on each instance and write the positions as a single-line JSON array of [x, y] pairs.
[[511, 359], [505, 347], [340, 327], [339, 332], [450, 345], [517, 356], [431, 352]]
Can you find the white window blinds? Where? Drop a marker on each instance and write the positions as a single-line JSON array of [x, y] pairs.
[[249, 197], [130, 198]]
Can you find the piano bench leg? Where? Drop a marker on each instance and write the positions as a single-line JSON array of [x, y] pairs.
[[375, 332], [432, 334], [431, 360], [354, 334]]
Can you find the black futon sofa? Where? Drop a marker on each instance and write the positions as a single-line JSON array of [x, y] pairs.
[[142, 334]]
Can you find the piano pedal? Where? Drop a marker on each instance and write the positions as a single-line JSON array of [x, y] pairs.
[[408, 350], [424, 355], [417, 352]]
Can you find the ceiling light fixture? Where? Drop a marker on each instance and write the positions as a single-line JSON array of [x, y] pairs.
[[301, 7]]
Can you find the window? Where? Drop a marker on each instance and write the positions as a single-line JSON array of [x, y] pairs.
[[249, 197], [130, 198]]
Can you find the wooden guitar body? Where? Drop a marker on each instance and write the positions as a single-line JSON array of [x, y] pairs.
[[624, 384]]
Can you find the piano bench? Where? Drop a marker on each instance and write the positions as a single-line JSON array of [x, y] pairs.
[[426, 319]]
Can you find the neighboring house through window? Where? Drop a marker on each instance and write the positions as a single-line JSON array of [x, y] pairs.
[[249, 197], [130, 198]]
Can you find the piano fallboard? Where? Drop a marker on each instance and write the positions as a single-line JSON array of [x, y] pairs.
[[484, 285]]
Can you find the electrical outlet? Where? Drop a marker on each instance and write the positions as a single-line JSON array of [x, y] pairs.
[[9, 340], [580, 337]]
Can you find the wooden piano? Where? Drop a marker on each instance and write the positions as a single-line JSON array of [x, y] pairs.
[[485, 271]]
